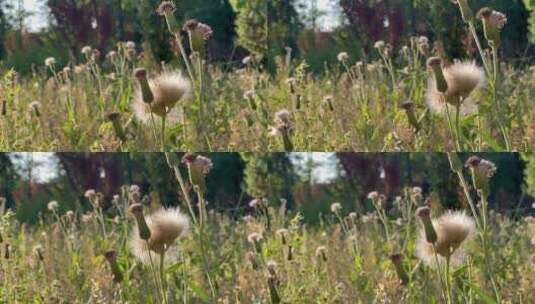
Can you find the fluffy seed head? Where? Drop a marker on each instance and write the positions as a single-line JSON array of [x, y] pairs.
[[453, 229], [86, 50], [168, 89], [373, 195], [166, 226], [342, 57], [50, 61], [336, 207], [462, 79], [53, 205]]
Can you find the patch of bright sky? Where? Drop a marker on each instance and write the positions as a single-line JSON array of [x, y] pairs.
[[330, 10], [45, 166], [37, 11], [329, 20]]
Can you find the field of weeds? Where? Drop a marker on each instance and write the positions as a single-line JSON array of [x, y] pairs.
[[409, 250], [410, 98]]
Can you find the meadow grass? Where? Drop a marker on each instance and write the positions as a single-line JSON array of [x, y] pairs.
[[265, 253], [387, 102]]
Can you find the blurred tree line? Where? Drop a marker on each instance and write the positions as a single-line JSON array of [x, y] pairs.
[[237, 178], [262, 27]]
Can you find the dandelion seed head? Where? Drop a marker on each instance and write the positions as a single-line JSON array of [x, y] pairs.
[[166, 226]]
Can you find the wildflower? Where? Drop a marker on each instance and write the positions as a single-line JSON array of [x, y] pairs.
[[342, 57], [271, 266], [198, 28], [452, 230], [69, 215], [111, 56], [247, 60], [34, 107], [38, 251], [86, 50], [50, 62], [453, 84], [254, 203], [493, 23], [425, 215], [384, 49], [373, 195], [255, 238], [130, 45], [159, 95], [166, 9], [53, 206], [144, 231], [408, 106], [90, 194], [482, 171], [397, 259], [352, 215], [283, 234], [198, 167], [321, 252], [111, 257], [250, 97], [284, 127], [87, 218], [328, 101], [165, 226], [251, 257], [336, 207], [115, 118]]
